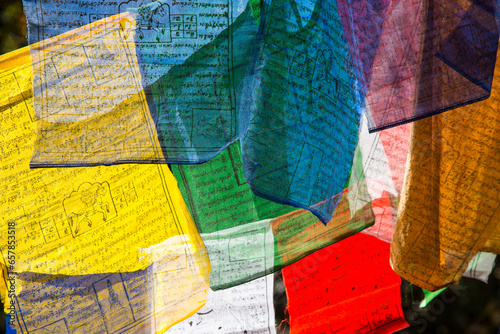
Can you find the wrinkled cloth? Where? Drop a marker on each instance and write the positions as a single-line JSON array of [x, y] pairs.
[[449, 209], [344, 288], [247, 236]]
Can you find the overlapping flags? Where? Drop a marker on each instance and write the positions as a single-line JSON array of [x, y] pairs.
[[283, 124]]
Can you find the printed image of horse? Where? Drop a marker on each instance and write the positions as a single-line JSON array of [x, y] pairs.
[[89, 206]]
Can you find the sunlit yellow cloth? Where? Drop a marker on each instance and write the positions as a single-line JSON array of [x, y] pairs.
[[171, 289], [78, 221], [449, 209]]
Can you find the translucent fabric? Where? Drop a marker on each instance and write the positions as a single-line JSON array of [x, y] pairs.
[[152, 300], [203, 100], [420, 57], [66, 221], [246, 307], [449, 208], [164, 82], [158, 82], [304, 108], [123, 233]]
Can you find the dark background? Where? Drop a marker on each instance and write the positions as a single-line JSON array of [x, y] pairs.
[[12, 26]]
